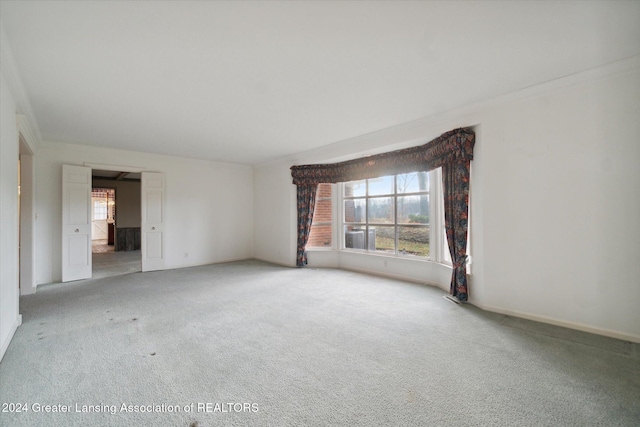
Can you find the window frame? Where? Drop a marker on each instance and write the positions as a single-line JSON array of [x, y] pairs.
[[100, 209], [395, 224], [438, 245]]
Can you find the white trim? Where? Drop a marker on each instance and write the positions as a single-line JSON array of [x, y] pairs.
[[339, 226], [14, 328], [398, 267], [403, 135], [201, 264], [106, 151], [27, 232], [620, 67], [274, 261], [26, 130], [557, 322], [116, 168], [392, 276], [436, 202], [365, 252], [321, 248]]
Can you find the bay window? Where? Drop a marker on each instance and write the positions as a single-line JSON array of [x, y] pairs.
[[399, 215], [389, 214], [387, 202]]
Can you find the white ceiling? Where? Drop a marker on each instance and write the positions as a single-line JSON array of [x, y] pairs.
[[248, 82]]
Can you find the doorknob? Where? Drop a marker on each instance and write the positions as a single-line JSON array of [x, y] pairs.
[[153, 228], [76, 230]]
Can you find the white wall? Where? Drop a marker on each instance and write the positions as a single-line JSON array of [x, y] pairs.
[[9, 295], [554, 204], [560, 206], [209, 205], [275, 215]]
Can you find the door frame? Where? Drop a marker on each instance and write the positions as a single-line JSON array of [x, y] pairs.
[[120, 168], [27, 220], [157, 264]]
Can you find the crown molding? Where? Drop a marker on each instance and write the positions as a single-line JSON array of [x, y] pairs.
[[116, 168], [9, 70], [27, 133], [412, 133]]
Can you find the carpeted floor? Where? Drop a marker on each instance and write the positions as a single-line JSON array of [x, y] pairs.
[[249, 343]]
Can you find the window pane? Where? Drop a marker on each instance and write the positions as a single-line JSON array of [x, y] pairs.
[[446, 255], [413, 241], [355, 210], [354, 237], [413, 182], [390, 215], [355, 189], [381, 210], [413, 209], [99, 210], [380, 186], [382, 239]]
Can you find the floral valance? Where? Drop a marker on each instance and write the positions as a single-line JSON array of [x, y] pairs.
[[450, 147]]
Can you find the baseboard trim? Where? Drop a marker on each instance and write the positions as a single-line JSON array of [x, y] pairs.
[[200, 264], [28, 291], [5, 345], [563, 323], [272, 261]]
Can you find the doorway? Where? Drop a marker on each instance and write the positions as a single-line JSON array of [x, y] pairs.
[[77, 182], [115, 216], [103, 207]]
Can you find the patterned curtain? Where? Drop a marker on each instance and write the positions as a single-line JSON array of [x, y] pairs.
[[306, 196], [453, 151], [455, 183], [449, 147]]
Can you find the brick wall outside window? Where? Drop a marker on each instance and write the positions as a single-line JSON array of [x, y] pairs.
[[322, 228]]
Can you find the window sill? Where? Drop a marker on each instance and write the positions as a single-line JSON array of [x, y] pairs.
[[391, 256], [402, 258], [382, 256]]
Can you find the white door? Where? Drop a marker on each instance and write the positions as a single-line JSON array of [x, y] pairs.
[[76, 223], [99, 215], [152, 239]]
